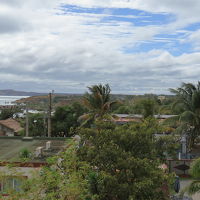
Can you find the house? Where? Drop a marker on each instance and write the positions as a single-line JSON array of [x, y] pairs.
[[126, 118], [9, 127], [11, 154], [161, 97]]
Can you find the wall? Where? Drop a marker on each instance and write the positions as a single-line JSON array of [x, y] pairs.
[[18, 171], [6, 131]]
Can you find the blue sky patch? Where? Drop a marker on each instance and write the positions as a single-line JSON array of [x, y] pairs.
[[193, 27], [137, 17], [171, 42], [173, 46]]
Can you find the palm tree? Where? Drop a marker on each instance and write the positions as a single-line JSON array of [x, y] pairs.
[[98, 102], [188, 99]]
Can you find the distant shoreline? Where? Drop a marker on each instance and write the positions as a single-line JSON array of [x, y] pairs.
[[8, 100]]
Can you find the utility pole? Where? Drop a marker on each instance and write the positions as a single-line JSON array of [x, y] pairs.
[[45, 121], [49, 115], [27, 121]]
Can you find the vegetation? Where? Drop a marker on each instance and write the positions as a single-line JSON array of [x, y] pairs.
[[127, 161], [194, 187], [37, 125], [8, 112], [65, 119], [98, 102], [63, 178], [188, 98], [123, 109], [110, 163], [148, 108], [24, 154]]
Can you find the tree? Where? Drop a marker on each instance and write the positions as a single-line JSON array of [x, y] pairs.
[[37, 125], [147, 107], [167, 146], [123, 110], [126, 161], [8, 112], [110, 163], [188, 98], [98, 102], [64, 178], [66, 118]]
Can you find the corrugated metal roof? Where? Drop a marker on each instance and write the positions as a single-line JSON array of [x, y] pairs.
[[140, 116]]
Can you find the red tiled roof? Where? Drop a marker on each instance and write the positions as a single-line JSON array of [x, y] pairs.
[[11, 124]]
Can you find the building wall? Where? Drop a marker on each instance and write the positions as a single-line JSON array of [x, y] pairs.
[[4, 131], [19, 171], [12, 178]]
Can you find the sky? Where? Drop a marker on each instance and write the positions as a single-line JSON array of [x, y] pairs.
[[136, 46]]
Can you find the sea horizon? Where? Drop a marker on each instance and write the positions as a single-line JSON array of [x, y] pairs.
[[9, 100]]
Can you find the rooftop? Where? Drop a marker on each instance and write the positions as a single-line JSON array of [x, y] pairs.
[[10, 148], [141, 116], [11, 124]]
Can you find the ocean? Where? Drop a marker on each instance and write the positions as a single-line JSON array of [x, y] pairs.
[[8, 100]]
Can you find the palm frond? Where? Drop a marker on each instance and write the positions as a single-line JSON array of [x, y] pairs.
[[97, 100], [85, 119], [196, 100], [187, 116]]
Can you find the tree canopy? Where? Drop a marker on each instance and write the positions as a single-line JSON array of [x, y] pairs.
[[98, 101], [66, 118], [110, 163], [188, 98]]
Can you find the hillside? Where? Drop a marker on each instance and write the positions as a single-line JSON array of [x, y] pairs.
[[11, 92], [42, 102]]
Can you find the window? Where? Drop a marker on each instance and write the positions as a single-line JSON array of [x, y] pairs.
[[10, 183]]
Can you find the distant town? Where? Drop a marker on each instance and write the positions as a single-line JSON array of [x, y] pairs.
[[157, 133]]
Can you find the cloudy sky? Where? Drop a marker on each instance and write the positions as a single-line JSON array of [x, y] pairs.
[[137, 46]]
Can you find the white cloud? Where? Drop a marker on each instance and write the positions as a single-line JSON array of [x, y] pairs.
[[41, 50], [194, 39]]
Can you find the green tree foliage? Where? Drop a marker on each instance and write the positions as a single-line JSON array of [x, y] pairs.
[[165, 107], [167, 146], [25, 154], [146, 107], [64, 178], [98, 101], [123, 110], [110, 163], [66, 118], [188, 98], [126, 160], [194, 187], [8, 112], [37, 125]]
